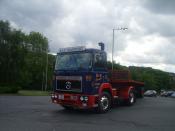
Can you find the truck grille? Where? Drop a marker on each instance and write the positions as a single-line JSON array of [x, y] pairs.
[[69, 83]]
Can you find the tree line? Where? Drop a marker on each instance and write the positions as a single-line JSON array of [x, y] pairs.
[[24, 58], [153, 78]]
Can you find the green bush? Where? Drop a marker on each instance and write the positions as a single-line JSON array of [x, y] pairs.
[[9, 89]]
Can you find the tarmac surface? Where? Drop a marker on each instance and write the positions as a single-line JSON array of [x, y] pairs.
[[37, 113]]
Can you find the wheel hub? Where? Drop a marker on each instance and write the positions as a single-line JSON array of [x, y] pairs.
[[104, 102]]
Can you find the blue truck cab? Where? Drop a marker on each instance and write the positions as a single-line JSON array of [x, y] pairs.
[[80, 70]]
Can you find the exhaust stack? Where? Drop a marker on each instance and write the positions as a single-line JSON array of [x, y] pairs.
[[102, 45]]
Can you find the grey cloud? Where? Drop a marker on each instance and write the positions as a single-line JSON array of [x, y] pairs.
[[32, 15], [162, 54], [144, 59], [94, 23], [160, 24], [146, 23], [93, 20], [160, 6], [167, 53], [71, 23]]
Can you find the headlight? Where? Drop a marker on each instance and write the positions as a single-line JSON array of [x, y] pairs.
[[52, 96], [56, 96]]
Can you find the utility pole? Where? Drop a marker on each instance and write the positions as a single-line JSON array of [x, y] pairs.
[[113, 41]]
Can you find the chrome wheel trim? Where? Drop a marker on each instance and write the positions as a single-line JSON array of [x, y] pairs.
[[104, 102], [131, 97]]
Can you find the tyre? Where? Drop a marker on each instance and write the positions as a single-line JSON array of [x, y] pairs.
[[132, 99], [104, 102]]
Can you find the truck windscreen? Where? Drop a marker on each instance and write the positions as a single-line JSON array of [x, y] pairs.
[[74, 61]]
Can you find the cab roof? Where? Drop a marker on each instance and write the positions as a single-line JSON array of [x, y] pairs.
[[81, 49]]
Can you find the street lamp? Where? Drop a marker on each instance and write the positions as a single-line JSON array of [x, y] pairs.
[[113, 44], [46, 68], [47, 64]]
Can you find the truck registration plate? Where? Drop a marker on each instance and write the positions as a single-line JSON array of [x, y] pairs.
[[61, 96]]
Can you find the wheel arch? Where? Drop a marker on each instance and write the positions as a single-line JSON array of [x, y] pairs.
[[105, 87], [124, 92]]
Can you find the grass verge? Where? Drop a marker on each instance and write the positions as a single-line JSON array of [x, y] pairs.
[[33, 93], [9, 89]]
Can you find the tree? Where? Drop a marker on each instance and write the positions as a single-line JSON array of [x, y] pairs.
[[23, 58], [12, 53], [35, 61]]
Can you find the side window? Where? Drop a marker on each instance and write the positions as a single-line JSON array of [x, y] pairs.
[[100, 60]]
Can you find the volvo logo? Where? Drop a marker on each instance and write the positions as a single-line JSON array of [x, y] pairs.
[[68, 85]]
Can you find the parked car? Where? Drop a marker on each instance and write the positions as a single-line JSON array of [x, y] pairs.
[[150, 93], [173, 95], [163, 93], [167, 93]]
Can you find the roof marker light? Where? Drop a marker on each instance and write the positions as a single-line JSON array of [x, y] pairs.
[[72, 49]]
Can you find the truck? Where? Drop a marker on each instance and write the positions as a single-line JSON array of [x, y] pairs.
[[81, 80]]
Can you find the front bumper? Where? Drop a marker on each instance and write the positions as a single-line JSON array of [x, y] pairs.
[[80, 101]]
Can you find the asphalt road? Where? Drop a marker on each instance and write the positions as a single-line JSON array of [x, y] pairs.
[[28, 113]]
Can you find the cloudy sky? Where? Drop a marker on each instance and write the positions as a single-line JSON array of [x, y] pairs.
[[149, 40]]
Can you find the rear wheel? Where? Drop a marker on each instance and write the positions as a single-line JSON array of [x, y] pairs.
[[104, 102], [131, 100]]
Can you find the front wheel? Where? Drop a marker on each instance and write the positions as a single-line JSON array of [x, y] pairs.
[[104, 102]]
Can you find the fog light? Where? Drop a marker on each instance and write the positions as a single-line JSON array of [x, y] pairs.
[[81, 98], [84, 98]]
